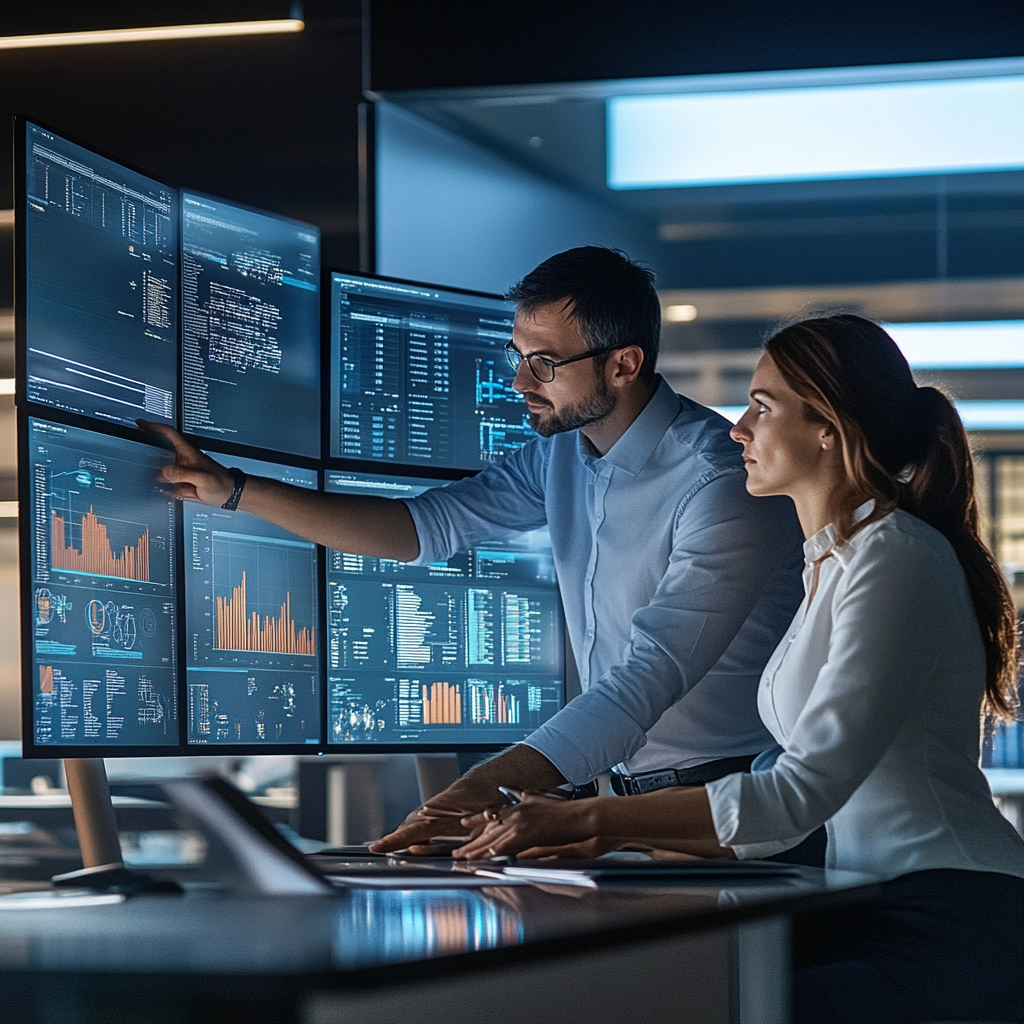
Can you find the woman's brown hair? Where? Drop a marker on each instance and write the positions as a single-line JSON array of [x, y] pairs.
[[905, 447]]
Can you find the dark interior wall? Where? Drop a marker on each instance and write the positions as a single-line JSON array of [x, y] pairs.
[[450, 43]]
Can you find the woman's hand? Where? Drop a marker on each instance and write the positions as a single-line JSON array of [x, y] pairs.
[[537, 826]]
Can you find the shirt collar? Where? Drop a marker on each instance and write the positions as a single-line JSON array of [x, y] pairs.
[[631, 452], [824, 541]]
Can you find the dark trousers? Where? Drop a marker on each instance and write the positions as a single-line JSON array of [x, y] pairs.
[[937, 945]]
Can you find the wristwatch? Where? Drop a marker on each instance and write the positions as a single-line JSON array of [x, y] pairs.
[[236, 495]]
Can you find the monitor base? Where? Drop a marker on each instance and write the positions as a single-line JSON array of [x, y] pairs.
[[116, 878]]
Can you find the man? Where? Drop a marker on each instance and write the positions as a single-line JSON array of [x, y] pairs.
[[677, 585]]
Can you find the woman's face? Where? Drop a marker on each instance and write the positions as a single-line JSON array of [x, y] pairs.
[[784, 452]]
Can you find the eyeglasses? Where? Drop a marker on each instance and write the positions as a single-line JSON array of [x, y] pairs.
[[543, 368]]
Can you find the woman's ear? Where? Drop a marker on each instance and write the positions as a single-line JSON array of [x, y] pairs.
[[828, 437]]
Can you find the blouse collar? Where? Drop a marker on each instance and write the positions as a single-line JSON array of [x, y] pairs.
[[824, 541]]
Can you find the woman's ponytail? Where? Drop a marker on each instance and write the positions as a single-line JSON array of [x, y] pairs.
[[941, 491]]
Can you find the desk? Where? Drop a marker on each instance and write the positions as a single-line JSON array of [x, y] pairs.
[[699, 953]]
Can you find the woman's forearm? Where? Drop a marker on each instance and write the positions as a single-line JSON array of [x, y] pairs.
[[678, 818]]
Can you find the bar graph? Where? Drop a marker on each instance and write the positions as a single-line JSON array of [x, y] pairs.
[[94, 553], [442, 704], [263, 594], [240, 630]]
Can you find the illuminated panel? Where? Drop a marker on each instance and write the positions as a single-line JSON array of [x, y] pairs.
[[250, 326], [251, 614], [465, 651], [962, 345], [101, 285], [864, 130], [104, 641], [419, 375]]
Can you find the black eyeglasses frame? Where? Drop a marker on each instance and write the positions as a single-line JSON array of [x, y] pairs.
[[515, 357]]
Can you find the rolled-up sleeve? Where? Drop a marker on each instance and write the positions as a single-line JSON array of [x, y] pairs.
[[500, 502], [889, 628], [725, 545]]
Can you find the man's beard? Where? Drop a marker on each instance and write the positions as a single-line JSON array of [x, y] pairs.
[[594, 407]]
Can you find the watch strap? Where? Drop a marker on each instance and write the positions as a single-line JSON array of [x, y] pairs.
[[236, 495]]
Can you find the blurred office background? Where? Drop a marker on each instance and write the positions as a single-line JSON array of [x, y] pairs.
[[462, 143]]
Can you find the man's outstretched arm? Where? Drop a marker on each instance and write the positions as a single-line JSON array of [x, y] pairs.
[[363, 525], [520, 767]]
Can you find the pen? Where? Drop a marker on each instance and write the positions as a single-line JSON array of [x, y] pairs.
[[513, 799]]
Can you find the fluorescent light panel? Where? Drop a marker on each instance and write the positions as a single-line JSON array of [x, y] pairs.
[[141, 35], [965, 345], [981, 415], [816, 133]]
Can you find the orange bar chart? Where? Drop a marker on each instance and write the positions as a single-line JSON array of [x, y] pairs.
[[442, 704], [96, 555], [240, 630]]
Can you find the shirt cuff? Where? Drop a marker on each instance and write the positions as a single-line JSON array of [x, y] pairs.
[[725, 796], [591, 715], [425, 531]]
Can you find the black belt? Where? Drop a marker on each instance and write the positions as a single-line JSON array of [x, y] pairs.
[[648, 782]]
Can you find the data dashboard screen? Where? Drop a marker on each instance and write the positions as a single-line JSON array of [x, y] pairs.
[[104, 637], [466, 651], [250, 287], [101, 285], [252, 623], [419, 375]]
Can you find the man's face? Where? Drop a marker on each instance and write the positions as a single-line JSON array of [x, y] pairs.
[[578, 395]]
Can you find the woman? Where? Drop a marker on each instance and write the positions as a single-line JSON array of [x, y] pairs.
[[907, 631]]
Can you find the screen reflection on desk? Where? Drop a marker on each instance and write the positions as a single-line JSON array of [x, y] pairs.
[[394, 925]]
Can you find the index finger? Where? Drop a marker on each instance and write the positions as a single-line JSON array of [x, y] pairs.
[[166, 430]]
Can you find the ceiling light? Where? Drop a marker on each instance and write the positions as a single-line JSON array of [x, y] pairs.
[[8, 510], [6, 385], [141, 35], [681, 314]]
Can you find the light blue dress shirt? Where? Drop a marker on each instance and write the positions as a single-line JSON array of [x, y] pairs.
[[677, 585]]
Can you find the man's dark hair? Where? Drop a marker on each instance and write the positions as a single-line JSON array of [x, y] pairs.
[[610, 298]]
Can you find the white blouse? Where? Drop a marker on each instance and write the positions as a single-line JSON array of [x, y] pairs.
[[874, 696]]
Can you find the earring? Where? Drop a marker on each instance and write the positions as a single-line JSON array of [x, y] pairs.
[[824, 445]]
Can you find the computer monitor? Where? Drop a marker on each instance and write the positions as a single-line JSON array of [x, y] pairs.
[[98, 288], [419, 375], [99, 612], [466, 653], [252, 622], [250, 299]]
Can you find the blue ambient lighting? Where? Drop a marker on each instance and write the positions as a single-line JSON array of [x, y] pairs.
[[816, 133], [980, 415]]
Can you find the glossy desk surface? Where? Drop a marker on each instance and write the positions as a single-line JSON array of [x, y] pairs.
[[364, 934]]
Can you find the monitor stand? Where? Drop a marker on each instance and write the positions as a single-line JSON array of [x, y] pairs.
[[103, 865]]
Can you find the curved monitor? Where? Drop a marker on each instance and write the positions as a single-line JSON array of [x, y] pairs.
[[453, 654], [250, 300], [419, 375], [98, 248], [102, 623]]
